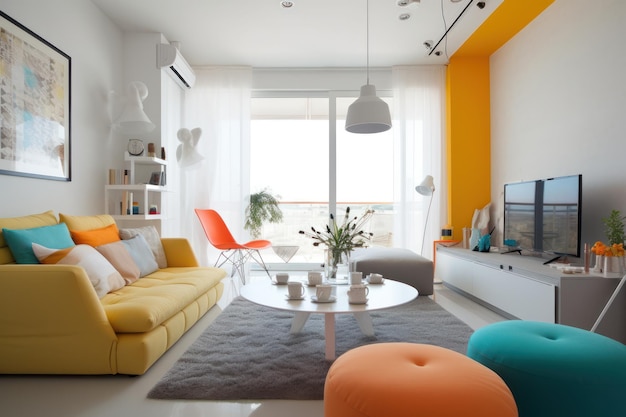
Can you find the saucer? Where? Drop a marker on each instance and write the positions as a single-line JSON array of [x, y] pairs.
[[294, 298], [359, 302], [278, 283], [376, 283], [332, 299], [306, 282]]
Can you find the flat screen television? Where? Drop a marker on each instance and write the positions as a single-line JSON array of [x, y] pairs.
[[544, 215]]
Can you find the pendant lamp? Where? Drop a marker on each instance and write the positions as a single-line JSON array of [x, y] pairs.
[[368, 114]]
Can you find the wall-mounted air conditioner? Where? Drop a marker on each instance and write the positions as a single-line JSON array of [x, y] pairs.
[[172, 61]]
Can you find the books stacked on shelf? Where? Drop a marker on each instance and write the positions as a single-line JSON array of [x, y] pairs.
[[119, 177]]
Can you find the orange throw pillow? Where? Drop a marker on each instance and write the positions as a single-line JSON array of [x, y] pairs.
[[96, 237]]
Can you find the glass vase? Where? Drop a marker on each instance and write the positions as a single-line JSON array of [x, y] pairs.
[[337, 263]]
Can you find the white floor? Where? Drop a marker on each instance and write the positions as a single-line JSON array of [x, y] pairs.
[[120, 396]]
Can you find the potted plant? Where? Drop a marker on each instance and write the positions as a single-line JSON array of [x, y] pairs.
[[263, 207], [340, 240], [610, 258], [614, 227]]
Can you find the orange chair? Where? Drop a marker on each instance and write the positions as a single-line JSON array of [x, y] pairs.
[[237, 254]]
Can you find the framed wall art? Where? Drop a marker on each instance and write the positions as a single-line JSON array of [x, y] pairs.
[[35, 98]]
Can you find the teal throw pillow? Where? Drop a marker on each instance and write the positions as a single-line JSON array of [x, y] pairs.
[[20, 241]]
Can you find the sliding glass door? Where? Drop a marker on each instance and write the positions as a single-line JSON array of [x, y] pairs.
[[301, 152]]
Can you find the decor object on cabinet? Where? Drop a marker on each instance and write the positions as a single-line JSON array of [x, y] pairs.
[[368, 114], [340, 240], [614, 227], [263, 207], [36, 128], [135, 147], [133, 119], [426, 188], [186, 153]]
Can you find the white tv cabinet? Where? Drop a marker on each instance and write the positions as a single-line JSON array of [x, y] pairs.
[[522, 287]]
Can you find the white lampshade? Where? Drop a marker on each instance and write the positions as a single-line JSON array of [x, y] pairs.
[[368, 114], [133, 120], [427, 186]]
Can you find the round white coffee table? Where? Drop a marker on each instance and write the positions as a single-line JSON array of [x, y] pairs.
[[381, 296]]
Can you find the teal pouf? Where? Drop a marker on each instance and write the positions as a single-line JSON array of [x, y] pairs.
[[554, 370]]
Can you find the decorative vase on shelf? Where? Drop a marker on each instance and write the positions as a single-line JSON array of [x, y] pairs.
[[337, 263], [599, 264], [613, 266]]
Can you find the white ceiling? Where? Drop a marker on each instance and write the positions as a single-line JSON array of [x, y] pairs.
[[312, 33]]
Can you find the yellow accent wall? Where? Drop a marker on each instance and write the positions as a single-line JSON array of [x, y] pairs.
[[468, 139], [468, 122]]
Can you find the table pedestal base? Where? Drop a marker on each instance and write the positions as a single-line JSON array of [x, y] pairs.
[[363, 319]]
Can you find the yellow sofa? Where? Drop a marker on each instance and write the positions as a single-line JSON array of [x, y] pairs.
[[52, 321]]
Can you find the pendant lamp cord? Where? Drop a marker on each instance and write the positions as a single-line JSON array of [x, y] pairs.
[[367, 38]]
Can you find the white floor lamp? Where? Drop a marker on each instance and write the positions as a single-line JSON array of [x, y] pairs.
[[426, 188]]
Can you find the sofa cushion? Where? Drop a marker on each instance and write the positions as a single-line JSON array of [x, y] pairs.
[[148, 302], [96, 237], [152, 237], [24, 222], [21, 241], [100, 272], [142, 255], [75, 223], [119, 256]]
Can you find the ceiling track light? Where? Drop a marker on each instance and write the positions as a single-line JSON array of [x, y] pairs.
[[438, 53], [404, 3]]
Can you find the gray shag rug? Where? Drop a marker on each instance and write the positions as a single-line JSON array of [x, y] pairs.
[[247, 353]]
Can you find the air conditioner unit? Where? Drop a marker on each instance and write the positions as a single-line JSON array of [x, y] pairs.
[[170, 58]]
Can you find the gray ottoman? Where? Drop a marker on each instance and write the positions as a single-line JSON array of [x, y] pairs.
[[398, 264]]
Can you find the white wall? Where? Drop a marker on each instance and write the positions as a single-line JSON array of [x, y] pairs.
[[94, 43], [558, 97]]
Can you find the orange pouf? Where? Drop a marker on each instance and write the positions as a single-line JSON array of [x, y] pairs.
[[408, 379]]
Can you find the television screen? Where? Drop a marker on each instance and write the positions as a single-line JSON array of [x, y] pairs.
[[544, 215], [520, 215], [561, 215]]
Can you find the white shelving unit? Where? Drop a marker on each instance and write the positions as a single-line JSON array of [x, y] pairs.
[[143, 193]]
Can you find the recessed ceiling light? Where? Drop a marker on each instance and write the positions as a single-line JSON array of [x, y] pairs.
[[404, 3], [404, 16], [286, 4]]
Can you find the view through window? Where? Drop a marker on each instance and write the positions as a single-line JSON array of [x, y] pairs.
[[316, 168]]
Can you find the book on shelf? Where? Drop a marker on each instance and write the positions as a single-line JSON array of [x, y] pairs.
[[119, 177]]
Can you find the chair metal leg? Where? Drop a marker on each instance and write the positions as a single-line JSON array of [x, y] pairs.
[[237, 259], [259, 261]]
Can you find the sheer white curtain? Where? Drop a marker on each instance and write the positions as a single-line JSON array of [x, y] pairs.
[[419, 150], [219, 104]]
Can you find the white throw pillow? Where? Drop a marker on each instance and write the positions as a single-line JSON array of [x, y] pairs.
[[98, 269]]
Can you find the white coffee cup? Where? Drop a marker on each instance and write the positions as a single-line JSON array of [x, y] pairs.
[[375, 278], [358, 293], [315, 278], [323, 292], [295, 289], [282, 278], [356, 277]]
